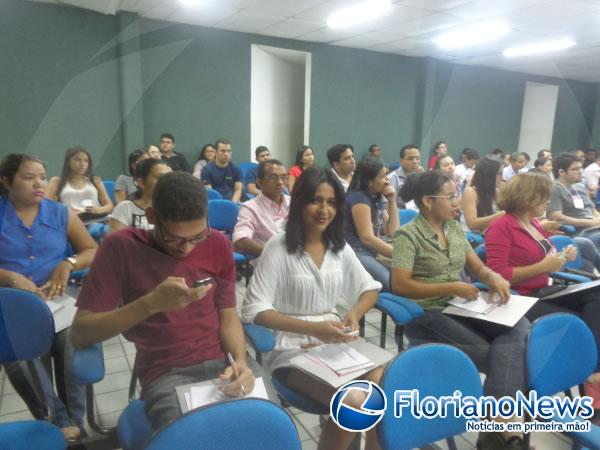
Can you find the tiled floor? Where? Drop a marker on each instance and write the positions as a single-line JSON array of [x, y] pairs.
[[112, 393]]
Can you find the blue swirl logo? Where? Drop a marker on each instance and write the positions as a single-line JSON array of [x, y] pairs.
[[370, 412]]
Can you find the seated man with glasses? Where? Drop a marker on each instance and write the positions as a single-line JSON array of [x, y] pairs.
[[142, 284], [265, 215], [570, 202]]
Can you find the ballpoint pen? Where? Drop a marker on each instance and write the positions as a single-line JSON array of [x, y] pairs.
[[235, 371]]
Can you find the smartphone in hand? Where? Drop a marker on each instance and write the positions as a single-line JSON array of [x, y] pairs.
[[202, 282]]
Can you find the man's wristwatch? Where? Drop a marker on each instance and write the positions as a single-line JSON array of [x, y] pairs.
[[72, 260]]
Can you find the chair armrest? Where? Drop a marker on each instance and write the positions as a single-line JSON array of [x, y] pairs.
[[411, 306], [474, 237], [567, 229], [88, 364], [261, 338], [569, 277]]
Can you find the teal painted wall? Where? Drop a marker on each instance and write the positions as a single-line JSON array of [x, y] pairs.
[[114, 83]]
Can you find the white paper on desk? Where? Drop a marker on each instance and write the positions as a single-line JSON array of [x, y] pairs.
[[63, 310], [507, 315], [480, 305], [207, 392], [339, 357]]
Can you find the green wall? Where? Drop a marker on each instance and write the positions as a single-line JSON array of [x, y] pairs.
[[114, 83]]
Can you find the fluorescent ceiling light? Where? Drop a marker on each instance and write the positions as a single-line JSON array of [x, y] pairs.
[[469, 36], [359, 13], [190, 3], [539, 48]]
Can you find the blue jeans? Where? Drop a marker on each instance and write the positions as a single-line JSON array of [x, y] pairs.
[[68, 407], [590, 255], [376, 269], [497, 351]]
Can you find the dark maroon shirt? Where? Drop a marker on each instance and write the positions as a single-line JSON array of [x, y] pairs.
[[128, 265]]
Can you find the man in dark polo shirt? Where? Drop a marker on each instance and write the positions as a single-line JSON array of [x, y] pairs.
[[223, 175], [141, 284], [176, 161]]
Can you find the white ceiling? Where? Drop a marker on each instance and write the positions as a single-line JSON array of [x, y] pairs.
[[408, 29]]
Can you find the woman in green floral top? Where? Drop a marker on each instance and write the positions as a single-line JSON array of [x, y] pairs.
[[429, 255]]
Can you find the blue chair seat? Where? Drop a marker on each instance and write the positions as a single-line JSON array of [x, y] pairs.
[[134, 429], [262, 338], [88, 364], [413, 308]]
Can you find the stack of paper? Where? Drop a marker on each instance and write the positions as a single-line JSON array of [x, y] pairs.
[[63, 310], [351, 365], [341, 358], [480, 305]]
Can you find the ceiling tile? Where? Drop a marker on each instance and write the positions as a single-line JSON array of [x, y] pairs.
[[291, 28], [287, 8], [433, 5], [425, 24], [326, 35], [485, 9]]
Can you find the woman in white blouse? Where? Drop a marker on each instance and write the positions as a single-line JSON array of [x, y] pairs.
[[298, 280]]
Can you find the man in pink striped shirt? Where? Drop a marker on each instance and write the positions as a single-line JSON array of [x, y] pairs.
[[265, 215]]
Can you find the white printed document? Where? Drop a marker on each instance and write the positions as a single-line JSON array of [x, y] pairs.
[[309, 363], [196, 395], [508, 314], [63, 310]]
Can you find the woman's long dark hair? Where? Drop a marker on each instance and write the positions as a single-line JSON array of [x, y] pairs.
[[66, 170], [366, 170], [433, 151], [142, 170], [303, 194], [300, 154], [203, 152], [484, 182], [10, 165]]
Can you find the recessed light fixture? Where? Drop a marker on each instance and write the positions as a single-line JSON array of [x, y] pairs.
[[538, 48], [359, 13], [469, 36]]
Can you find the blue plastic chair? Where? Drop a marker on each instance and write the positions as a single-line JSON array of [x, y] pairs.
[[31, 435], [406, 215], [26, 332], [213, 194], [222, 216], [251, 424], [394, 166], [561, 242], [434, 370], [109, 185], [562, 353], [245, 167], [474, 238]]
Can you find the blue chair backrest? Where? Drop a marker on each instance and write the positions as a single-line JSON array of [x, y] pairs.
[[407, 215], [394, 166], [561, 242], [109, 185], [26, 326], [213, 194], [223, 214], [251, 424], [434, 370], [561, 353], [245, 168]]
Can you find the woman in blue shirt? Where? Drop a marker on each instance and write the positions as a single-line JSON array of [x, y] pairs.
[[35, 234], [369, 220]]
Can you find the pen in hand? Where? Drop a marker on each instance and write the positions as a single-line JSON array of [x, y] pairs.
[[235, 371]]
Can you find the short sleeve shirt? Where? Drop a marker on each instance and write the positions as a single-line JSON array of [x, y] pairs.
[[377, 207], [125, 184], [222, 179], [128, 266], [416, 248], [33, 252], [563, 198], [131, 215]]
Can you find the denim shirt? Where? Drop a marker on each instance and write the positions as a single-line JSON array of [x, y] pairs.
[[33, 252]]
